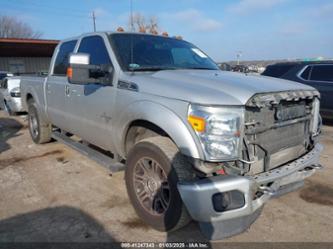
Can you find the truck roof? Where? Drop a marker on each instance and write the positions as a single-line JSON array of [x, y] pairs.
[[116, 32]]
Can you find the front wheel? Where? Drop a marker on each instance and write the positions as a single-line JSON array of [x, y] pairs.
[[40, 130], [154, 167]]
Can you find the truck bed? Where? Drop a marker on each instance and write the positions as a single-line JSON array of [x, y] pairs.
[[34, 85]]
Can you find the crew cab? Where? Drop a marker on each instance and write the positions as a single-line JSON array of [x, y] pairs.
[[195, 142]]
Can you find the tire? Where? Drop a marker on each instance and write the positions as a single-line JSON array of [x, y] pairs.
[[162, 207], [40, 130]]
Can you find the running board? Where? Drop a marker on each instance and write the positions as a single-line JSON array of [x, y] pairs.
[[94, 155]]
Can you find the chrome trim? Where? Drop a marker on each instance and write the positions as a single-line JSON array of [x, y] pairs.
[[319, 127], [298, 75], [247, 162]]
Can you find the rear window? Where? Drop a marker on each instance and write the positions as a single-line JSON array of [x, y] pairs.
[[322, 73], [61, 63], [277, 70]]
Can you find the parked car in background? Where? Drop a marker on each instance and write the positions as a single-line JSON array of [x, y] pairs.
[[4, 74], [257, 69], [10, 95], [240, 69], [318, 74], [261, 69], [224, 66]]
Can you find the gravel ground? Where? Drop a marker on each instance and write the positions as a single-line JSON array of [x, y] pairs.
[[52, 193]]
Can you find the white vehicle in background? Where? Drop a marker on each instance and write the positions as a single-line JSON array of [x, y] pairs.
[[10, 95]]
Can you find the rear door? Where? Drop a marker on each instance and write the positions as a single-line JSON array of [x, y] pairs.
[[91, 104], [57, 86], [321, 77]]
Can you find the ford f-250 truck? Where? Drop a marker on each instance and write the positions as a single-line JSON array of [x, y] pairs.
[[195, 142]]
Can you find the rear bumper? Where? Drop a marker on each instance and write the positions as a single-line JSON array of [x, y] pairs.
[[198, 196]]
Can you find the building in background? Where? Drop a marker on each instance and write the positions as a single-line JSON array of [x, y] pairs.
[[25, 56]]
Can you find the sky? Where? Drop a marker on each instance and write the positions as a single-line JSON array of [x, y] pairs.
[[256, 29]]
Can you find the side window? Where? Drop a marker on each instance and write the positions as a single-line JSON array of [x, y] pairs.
[[277, 70], [61, 62], [95, 46], [306, 73], [322, 73]]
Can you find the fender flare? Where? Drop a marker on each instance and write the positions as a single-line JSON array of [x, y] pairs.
[[40, 103], [179, 131]]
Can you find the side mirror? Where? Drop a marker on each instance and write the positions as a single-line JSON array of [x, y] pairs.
[[81, 72], [79, 59]]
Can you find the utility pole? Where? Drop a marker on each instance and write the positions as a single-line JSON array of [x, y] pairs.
[[94, 20], [238, 55]]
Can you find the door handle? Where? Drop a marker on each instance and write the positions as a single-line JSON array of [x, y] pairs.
[[67, 90]]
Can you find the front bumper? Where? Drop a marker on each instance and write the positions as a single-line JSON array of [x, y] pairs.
[[198, 195]]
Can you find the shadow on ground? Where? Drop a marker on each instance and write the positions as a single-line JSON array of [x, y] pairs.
[[58, 224], [8, 128], [58, 227]]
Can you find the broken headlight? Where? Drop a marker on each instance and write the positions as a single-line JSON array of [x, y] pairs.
[[220, 130]]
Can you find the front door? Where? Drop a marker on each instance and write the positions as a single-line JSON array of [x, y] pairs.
[[90, 105]]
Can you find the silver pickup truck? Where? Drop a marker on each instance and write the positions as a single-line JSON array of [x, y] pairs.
[[195, 142]]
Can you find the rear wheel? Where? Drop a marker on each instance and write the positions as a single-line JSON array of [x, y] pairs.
[[40, 130], [154, 167]]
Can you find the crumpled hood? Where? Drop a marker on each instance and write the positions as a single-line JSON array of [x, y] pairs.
[[211, 87]]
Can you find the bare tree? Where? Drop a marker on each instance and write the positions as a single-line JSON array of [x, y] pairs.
[[141, 24], [12, 27], [153, 25]]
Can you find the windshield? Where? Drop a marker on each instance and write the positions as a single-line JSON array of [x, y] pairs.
[[152, 53]]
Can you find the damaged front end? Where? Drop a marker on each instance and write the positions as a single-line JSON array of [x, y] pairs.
[[279, 151], [279, 128]]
